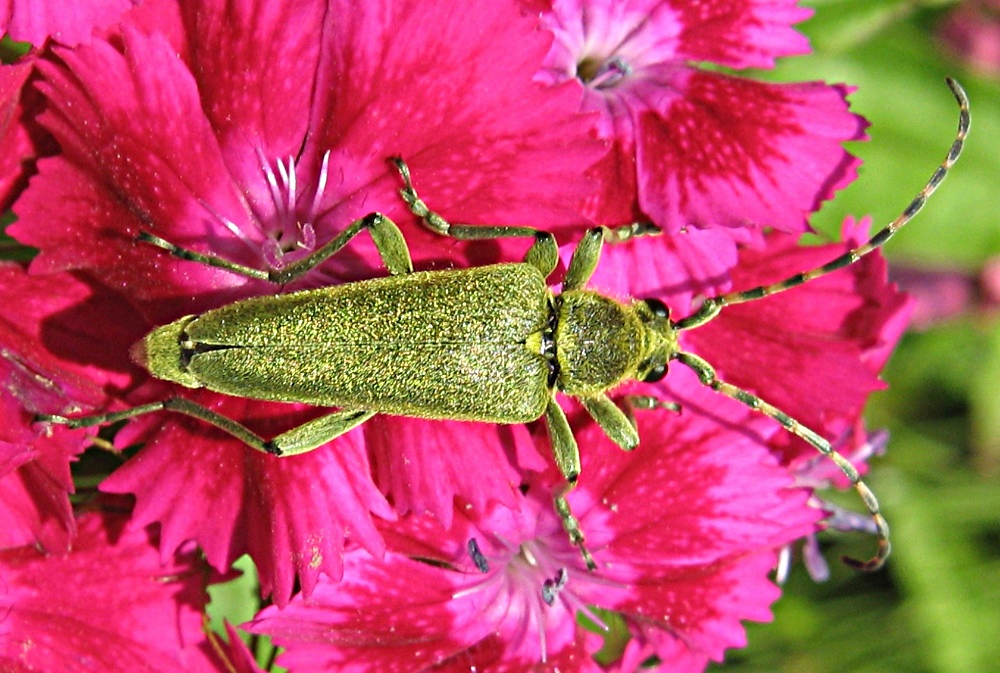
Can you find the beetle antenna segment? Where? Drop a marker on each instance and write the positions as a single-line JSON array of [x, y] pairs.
[[706, 374], [711, 306]]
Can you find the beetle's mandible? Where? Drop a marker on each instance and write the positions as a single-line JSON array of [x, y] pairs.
[[492, 344]]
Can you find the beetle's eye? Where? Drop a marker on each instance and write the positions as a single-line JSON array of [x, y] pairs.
[[658, 308], [656, 373]]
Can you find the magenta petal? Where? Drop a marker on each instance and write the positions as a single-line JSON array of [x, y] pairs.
[[399, 614], [712, 606], [237, 656], [484, 147], [691, 520], [42, 332], [734, 152], [673, 268], [424, 465], [245, 56], [734, 33], [261, 50], [138, 156], [109, 604], [717, 488], [405, 625], [739, 33], [290, 514], [68, 22], [14, 139]]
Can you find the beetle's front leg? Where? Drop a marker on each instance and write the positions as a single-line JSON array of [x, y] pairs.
[[633, 403], [616, 424], [567, 455], [572, 525]]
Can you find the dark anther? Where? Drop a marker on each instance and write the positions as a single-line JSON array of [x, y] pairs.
[[552, 587], [477, 556]]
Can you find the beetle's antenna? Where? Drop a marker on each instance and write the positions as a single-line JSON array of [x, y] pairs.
[[706, 374], [711, 306]]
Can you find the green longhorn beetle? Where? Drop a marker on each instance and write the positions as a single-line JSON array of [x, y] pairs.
[[492, 344]]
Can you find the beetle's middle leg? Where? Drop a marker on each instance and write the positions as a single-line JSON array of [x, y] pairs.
[[388, 240]]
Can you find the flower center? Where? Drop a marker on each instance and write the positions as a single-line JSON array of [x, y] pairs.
[[535, 585], [285, 219], [291, 228], [602, 73]]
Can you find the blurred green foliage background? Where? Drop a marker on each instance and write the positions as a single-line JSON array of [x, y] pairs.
[[936, 606]]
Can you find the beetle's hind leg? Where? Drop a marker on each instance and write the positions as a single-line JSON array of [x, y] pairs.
[[300, 439], [388, 240]]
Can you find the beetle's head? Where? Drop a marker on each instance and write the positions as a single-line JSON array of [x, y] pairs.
[[661, 339]]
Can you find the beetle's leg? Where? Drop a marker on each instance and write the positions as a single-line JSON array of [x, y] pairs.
[[572, 525], [627, 232], [588, 250], [317, 432], [567, 455], [305, 437], [615, 423], [388, 240], [584, 260], [648, 402], [633, 403], [543, 255], [564, 448], [706, 374], [618, 423], [439, 225]]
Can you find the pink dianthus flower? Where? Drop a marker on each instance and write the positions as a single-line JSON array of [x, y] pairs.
[[50, 360], [683, 531], [68, 22], [256, 132], [697, 150], [109, 604]]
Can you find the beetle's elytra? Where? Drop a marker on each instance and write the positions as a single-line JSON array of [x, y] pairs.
[[492, 344]]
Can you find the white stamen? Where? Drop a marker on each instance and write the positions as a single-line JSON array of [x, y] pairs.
[[272, 181], [784, 564], [324, 172], [292, 184]]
